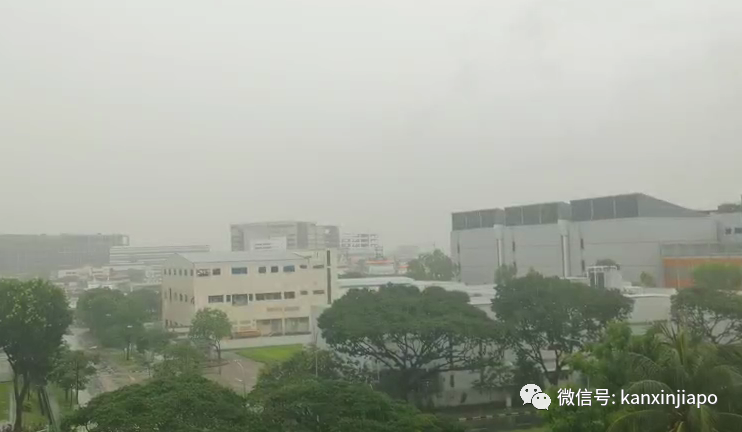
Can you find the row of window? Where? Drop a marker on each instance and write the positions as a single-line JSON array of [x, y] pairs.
[[243, 299], [236, 270], [736, 230]]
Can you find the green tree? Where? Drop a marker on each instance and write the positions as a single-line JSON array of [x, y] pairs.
[[607, 262], [181, 358], [505, 273], [647, 280], [34, 317], [315, 405], [186, 403], [435, 266], [311, 362], [718, 276], [147, 300], [211, 326], [415, 335], [539, 314], [115, 319], [712, 308], [682, 363], [73, 371]]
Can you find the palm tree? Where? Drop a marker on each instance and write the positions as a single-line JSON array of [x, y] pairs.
[[683, 363]]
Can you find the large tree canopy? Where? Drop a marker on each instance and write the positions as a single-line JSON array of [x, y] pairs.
[[34, 317], [435, 266], [414, 333], [540, 314], [317, 405], [211, 326], [113, 317], [712, 308], [187, 403]]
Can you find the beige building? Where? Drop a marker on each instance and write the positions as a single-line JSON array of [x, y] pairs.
[[266, 293]]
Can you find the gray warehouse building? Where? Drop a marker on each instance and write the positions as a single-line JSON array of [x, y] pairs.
[[562, 239]]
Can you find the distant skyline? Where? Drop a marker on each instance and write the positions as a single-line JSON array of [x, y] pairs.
[[169, 121]]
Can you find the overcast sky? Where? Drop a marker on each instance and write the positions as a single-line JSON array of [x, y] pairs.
[[169, 120]]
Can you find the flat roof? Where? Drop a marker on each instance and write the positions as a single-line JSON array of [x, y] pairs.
[[217, 257]]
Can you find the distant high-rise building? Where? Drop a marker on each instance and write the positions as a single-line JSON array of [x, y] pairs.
[[37, 255], [298, 236], [365, 244]]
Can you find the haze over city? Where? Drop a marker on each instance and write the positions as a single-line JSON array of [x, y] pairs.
[[170, 123]]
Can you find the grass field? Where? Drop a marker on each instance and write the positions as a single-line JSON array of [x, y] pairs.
[[5, 389], [271, 354]]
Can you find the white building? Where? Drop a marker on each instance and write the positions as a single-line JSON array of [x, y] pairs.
[[361, 244], [271, 244], [266, 293], [300, 235]]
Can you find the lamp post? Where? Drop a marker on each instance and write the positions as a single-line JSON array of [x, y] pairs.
[[244, 378], [128, 340]]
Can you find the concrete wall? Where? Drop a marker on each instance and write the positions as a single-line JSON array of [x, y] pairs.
[[634, 243], [476, 252]]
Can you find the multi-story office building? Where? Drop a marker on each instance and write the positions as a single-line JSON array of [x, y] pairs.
[[38, 255], [284, 235], [639, 232], [148, 258], [264, 293], [361, 244]]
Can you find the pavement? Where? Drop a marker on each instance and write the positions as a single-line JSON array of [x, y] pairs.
[[238, 373], [76, 342]]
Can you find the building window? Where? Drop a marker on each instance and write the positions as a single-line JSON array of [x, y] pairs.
[[239, 270], [274, 269], [582, 244], [239, 299], [318, 292], [318, 266], [202, 272], [738, 230], [289, 295], [229, 298], [216, 272], [250, 297], [289, 269], [728, 231], [513, 245], [216, 299], [268, 296], [583, 266], [303, 292], [303, 266], [191, 272], [193, 300], [185, 298], [170, 290], [180, 297], [261, 270]]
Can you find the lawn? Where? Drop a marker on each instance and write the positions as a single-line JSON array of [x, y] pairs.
[[5, 389], [270, 354]]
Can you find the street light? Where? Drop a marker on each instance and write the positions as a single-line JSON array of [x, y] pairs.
[[128, 340], [244, 387]]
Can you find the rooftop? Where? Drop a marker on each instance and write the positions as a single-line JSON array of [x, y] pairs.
[[218, 257]]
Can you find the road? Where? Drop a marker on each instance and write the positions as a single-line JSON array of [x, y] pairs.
[[75, 342]]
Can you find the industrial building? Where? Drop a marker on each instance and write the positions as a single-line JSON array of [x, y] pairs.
[[38, 255], [284, 235], [267, 293], [641, 233], [148, 258]]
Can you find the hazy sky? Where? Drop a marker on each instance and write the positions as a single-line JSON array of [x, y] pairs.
[[169, 120]]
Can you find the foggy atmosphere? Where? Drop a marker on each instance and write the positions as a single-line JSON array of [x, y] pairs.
[[358, 216]]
